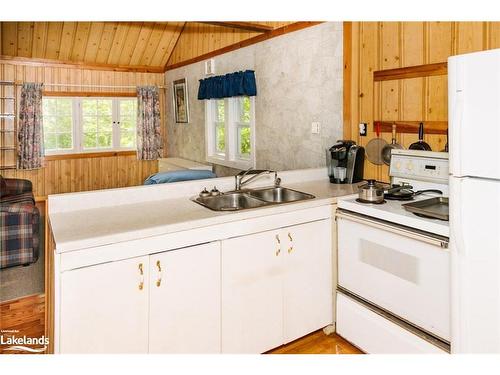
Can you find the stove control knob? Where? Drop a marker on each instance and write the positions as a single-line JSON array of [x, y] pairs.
[[398, 165], [409, 166]]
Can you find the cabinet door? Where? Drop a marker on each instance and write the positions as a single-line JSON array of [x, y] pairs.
[[308, 280], [185, 300], [104, 308], [252, 295]]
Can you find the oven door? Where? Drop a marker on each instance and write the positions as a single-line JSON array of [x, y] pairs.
[[401, 270]]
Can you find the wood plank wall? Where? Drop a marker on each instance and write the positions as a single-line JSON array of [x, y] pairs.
[[71, 175], [197, 39], [386, 45]]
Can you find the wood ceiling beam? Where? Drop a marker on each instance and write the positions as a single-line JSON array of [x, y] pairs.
[[16, 60], [175, 45], [248, 26], [246, 42]]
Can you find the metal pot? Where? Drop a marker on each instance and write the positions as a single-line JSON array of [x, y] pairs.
[[373, 192]]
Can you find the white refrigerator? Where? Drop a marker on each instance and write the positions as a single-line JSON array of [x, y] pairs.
[[474, 151]]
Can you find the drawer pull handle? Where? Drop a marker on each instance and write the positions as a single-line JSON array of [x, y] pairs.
[[278, 250], [290, 249], [141, 272], [442, 242], [290, 236], [158, 282]]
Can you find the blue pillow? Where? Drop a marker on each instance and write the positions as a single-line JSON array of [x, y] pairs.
[[181, 175]]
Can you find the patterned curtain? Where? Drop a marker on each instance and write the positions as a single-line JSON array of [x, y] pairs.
[[30, 134], [149, 141]]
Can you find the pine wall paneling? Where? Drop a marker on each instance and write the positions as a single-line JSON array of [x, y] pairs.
[[198, 39], [71, 175], [386, 45]]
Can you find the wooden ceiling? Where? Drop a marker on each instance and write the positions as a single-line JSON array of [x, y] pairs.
[[145, 46]]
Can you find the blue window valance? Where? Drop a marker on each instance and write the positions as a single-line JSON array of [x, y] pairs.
[[232, 84]]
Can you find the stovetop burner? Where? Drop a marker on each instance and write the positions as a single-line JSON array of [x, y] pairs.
[[359, 200]]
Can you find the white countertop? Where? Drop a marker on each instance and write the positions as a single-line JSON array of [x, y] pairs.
[[82, 227]]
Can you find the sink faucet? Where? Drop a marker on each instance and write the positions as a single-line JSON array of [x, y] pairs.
[[255, 174]]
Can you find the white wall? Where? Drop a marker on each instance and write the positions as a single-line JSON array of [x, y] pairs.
[[299, 80]]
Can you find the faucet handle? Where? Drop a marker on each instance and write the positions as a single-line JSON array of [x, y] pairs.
[[215, 192], [277, 180], [205, 193]]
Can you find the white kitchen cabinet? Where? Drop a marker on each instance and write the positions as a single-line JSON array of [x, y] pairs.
[[184, 314], [252, 293], [276, 286], [241, 293], [307, 285], [164, 303], [104, 308]]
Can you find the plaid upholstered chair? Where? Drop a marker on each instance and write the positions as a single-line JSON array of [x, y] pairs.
[[19, 223]]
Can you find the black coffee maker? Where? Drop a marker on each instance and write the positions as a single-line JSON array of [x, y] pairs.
[[345, 162]]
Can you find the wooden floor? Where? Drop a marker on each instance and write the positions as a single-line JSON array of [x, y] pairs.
[[26, 315], [318, 343]]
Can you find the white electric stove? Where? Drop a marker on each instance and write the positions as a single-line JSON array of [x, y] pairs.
[[393, 292]]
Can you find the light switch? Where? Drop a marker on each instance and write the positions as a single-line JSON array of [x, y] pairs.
[[209, 67], [315, 127], [363, 129]]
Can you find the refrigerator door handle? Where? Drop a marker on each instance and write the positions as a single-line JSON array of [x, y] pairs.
[[455, 141], [456, 217]]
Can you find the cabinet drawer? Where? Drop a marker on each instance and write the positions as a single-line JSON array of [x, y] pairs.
[[375, 334]]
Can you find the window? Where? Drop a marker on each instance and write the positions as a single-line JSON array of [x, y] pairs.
[[58, 124], [73, 125], [230, 131]]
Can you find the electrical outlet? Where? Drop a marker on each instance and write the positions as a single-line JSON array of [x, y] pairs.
[[315, 127], [363, 129]]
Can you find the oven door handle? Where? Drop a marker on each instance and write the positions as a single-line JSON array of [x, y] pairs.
[[396, 229]]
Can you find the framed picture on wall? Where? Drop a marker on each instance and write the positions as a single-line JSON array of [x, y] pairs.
[[181, 101]]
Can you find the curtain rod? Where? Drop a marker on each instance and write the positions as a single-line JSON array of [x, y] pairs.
[[83, 85], [101, 86]]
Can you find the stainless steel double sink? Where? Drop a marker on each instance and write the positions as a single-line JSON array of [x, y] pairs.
[[252, 198]]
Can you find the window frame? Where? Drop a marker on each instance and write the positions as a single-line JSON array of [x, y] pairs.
[[231, 157], [77, 126]]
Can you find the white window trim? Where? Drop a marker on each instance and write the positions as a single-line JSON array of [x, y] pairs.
[[77, 124], [231, 158]]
